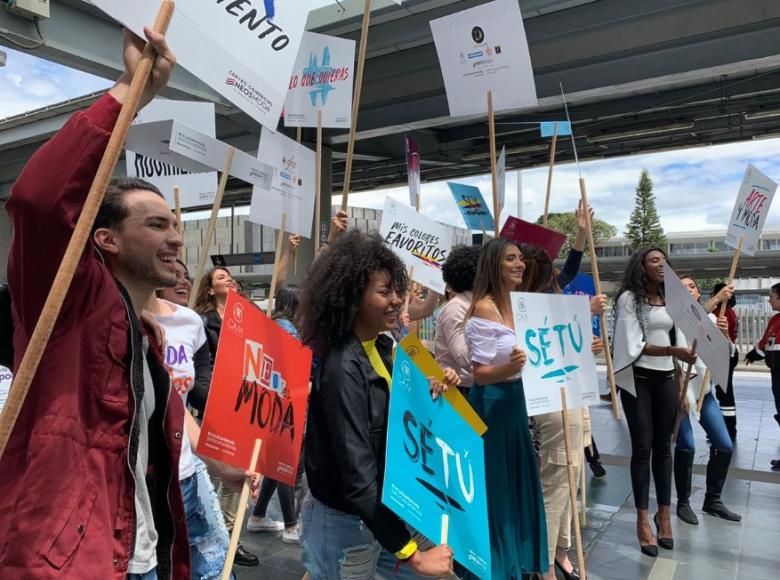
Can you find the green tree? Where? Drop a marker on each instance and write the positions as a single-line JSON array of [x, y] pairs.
[[567, 225], [644, 228]]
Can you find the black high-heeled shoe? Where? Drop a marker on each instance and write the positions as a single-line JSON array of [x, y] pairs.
[[649, 550], [665, 543], [573, 575]]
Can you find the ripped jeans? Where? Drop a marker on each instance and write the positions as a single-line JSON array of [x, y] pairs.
[[205, 526], [339, 546]]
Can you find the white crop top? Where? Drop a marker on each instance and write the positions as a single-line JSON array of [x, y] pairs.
[[490, 343]]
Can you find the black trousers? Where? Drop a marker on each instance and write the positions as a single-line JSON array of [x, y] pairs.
[[592, 452], [728, 405], [651, 416]]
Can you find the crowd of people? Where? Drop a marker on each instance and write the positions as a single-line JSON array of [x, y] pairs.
[[113, 412]]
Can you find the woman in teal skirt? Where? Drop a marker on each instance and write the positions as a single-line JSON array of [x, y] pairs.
[[518, 531]]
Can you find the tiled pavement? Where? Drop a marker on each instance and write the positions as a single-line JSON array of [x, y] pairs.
[[713, 550]]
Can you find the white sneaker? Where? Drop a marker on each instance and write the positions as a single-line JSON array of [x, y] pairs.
[[291, 536], [264, 524]]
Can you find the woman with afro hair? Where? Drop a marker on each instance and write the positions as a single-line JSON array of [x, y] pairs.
[[352, 295]]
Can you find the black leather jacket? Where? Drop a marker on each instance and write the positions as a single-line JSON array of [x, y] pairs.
[[346, 438]]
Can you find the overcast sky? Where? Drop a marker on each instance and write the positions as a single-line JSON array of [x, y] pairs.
[[695, 188]]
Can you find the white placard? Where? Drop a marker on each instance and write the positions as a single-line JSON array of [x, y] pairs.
[[196, 188], [501, 173], [191, 150], [556, 333], [694, 322], [292, 187], [485, 49], [750, 211], [238, 48], [322, 78], [6, 377], [422, 243]]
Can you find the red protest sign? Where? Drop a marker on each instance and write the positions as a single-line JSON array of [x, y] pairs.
[[259, 390], [524, 232]]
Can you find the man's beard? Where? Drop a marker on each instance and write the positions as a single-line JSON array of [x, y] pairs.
[[144, 271]]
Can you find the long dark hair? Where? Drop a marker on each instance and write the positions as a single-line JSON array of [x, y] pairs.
[[635, 280], [488, 281], [205, 302], [539, 275], [335, 285], [286, 303]]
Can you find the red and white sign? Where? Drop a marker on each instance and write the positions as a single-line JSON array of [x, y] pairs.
[[259, 390]]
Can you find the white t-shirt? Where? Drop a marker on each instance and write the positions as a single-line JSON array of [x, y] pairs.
[[184, 335]]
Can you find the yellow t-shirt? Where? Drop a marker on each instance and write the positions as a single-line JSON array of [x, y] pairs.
[[376, 360]]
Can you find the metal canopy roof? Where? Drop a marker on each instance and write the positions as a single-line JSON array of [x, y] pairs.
[[640, 76]]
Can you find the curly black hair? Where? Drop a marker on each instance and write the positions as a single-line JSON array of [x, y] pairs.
[[335, 285], [634, 280], [460, 268]]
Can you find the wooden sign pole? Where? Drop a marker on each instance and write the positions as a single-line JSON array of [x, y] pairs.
[[204, 251], [356, 104], [78, 241], [732, 273], [277, 259], [318, 187], [227, 570], [683, 393], [584, 493], [553, 147], [703, 391], [594, 264], [411, 289], [572, 485], [445, 529], [179, 225], [493, 167]]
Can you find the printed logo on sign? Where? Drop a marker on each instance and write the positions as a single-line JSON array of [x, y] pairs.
[[320, 78], [406, 376], [521, 315], [477, 35], [472, 205], [238, 312], [248, 92], [696, 313]]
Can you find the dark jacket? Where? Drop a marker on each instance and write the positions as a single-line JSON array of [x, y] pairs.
[[66, 478], [212, 322], [346, 438]]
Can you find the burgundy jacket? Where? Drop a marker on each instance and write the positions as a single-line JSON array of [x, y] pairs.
[[66, 483]]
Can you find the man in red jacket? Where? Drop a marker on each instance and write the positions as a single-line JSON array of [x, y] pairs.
[[89, 485]]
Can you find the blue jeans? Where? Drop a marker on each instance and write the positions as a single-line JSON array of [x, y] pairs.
[[150, 575], [339, 546], [711, 419], [208, 543]]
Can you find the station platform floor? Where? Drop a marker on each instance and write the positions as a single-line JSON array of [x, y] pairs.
[[713, 550]]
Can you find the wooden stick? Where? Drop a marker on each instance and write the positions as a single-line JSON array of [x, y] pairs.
[[179, 225], [318, 186], [204, 251], [277, 259], [493, 167], [299, 134], [584, 492], [445, 529], [572, 484], [239, 523], [683, 392], [356, 103], [78, 241], [411, 289], [703, 391], [732, 273], [553, 147], [594, 264]]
